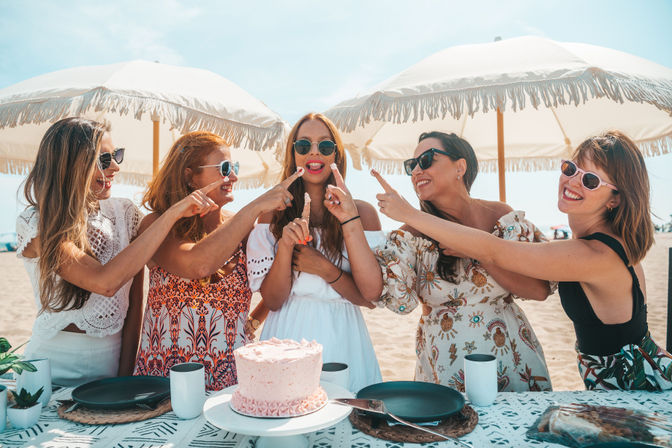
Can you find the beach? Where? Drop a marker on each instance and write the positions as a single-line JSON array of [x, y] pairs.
[[393, 335]]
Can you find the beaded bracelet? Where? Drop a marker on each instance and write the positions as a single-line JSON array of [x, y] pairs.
[[351, 219], [337, 278]]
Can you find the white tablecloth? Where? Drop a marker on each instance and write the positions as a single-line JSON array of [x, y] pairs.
[[503, 424]]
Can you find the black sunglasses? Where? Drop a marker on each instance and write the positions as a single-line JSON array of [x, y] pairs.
[[105, 158], [225, 167], [326, 147], [589, 180], [424, 160]]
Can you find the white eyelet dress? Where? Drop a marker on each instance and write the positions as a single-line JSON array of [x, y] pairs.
[[77, 358], [315, 311]]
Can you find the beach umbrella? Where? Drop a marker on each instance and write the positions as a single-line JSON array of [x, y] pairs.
[[522, 103], [148, 106]]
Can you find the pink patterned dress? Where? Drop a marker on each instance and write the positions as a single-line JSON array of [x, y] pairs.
[[198, 320]]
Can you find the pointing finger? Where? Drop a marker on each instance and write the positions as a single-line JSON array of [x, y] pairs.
[[290, 180], [340, 183], [306, 207], [387, 187], [208, 188]]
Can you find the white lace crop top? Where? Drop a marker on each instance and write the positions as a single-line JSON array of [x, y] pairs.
[[110, 230]]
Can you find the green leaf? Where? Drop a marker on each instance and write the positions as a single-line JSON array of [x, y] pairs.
[[4, 345]]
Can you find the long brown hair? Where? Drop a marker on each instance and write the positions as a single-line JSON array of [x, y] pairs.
[[458, 148], [171, 184], [59, 187], [330, 229], [619, 157]]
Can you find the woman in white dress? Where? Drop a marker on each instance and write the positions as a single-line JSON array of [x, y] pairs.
[[75, 242], [312, 262]]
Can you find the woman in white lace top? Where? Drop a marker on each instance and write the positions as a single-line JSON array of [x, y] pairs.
[[75, 242], [312, 262]]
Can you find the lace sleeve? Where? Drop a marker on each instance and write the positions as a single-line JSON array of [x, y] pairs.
[[398, 259], [133, 216], [26, 229], [514, 226], [260, 255]]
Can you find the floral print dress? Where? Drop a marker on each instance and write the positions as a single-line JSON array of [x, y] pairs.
[[472, 315]]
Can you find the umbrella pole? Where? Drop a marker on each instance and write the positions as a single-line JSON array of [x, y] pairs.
[[500, 156], [155, 153]]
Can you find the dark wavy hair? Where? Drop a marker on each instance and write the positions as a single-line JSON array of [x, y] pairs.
[[458, 148]]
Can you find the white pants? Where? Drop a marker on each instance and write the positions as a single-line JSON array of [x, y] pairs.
[[77, 358]]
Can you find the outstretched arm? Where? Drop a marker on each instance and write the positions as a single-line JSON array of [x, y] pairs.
[[88, 273], [198, 260], [572, 260]]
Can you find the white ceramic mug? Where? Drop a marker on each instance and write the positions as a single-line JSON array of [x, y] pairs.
[[337, 373], [3, 407], [32, 381], [480, 378], [187, 389]]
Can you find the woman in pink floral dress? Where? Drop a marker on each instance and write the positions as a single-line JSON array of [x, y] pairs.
[[467, 307]]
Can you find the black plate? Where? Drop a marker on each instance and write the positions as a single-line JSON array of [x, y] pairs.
[[416, 401], [122, 392]]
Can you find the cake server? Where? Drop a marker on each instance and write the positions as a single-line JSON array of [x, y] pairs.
[[378, 407]]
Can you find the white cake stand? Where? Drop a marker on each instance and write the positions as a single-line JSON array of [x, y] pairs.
[[276, 432]]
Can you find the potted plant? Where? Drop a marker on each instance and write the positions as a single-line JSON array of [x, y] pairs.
[[11, 360], [25, 411]]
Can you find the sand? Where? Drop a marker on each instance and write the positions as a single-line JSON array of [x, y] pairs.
[[393, 335]]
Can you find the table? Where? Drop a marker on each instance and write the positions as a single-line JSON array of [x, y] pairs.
[[501, 425]]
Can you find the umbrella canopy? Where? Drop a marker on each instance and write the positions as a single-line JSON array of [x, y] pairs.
[[134, 97], [549, 95]]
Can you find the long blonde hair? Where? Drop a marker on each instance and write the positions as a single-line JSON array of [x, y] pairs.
[[331, 232], [171, 184], [59, 187], [619, 157]]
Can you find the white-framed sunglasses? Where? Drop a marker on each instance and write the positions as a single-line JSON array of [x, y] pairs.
[[225, 167]]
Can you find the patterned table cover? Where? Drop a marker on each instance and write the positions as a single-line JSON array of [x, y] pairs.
[[501, 425]]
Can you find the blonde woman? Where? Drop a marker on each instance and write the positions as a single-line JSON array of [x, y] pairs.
[[604, 190], [199, 298], [75, 241], [312, 262]]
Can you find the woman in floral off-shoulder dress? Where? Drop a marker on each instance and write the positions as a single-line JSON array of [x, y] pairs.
[[467, 307]]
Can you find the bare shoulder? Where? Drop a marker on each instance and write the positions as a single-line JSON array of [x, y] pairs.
[[226, 214], [411, 230], [368, 215], [147, 221]]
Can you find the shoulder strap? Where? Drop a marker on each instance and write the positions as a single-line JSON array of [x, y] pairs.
[[611, 242]]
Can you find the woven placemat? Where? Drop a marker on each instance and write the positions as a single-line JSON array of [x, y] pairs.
[[454, 426], [111, 416]]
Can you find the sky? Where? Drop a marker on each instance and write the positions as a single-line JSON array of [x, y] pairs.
[[301, 56]]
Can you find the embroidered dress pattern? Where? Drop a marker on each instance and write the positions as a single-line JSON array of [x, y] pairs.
[[195, 321], [473, 314]]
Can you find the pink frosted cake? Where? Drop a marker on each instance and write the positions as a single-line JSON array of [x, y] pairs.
[[278, 378]]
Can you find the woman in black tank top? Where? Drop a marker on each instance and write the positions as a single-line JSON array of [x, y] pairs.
[[604, 190]]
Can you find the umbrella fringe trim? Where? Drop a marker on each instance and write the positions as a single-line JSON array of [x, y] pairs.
[[237, 134], [548, 93], [651, 148], [23, 167]]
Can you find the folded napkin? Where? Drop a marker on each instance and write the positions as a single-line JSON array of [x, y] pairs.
[[582, 425]]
